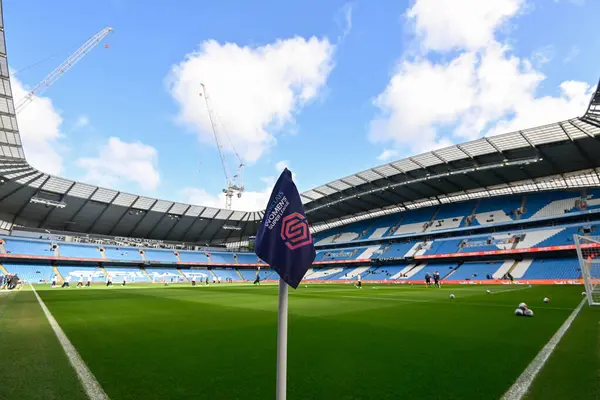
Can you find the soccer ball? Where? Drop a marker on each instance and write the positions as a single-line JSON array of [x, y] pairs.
[[305, 286], [528, 313], [451, 295], [519, 312], [583, 293], [522, 306], [489, 291], [546, 300]]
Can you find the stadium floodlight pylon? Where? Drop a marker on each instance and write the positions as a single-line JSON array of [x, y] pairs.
[[588, 251]]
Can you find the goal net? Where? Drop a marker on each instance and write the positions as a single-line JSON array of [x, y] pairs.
[[588, 251]]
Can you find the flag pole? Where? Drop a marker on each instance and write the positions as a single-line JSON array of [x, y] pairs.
[[282, 340]]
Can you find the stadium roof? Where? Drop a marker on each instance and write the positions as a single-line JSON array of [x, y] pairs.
[[558, 155]]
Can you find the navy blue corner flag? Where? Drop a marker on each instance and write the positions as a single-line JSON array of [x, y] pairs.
[[283, 240]]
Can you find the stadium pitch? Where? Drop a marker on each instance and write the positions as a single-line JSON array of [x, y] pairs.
[[218, 342]]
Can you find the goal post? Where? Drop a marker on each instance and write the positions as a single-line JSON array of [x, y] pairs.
[[588, 252]]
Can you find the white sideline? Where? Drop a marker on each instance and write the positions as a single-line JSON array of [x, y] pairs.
[[523, 383], [91, 386]]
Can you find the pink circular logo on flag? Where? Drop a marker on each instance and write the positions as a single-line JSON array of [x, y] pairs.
[[295, 232]]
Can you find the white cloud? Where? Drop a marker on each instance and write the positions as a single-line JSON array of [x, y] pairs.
[[482, 88], [281, 165], [387, 155], [543, 55], [120, 162], [81, 122], [344, 20], [573, 53], [460, 24], [572, 101], [250, 200], [255, 91], [574, 2], [40, 126]]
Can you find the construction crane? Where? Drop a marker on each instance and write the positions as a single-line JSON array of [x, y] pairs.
[[235, 186], [61, 69]]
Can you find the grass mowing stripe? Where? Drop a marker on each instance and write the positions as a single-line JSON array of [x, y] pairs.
[[88, 380], [523, 383]]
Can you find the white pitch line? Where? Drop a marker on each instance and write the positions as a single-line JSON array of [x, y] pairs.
[[523, 383], [510, 290], [90, 384]]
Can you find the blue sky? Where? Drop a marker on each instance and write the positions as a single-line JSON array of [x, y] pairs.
[[328, 88]]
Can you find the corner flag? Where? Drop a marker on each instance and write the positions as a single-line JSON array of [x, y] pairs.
[[283, 240]]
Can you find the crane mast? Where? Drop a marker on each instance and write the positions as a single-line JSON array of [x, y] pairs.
[[62, 68], [235, 186]]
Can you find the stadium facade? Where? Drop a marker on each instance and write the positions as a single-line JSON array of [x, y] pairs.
[[498, 206]]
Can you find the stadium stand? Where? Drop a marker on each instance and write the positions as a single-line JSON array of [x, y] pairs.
[[28, 247], [476, 270], [122, 253], [372, 240], [78, 250], [160, 255], [553, 268], [31, 273]]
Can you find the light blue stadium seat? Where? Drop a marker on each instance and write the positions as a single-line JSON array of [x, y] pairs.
[[79, 250], [28, 247], [553, 268], [123, 253], [475, 270], [31, 273], [160, 255], [193, 256]]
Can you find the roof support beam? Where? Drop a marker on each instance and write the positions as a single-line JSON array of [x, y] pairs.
[[62, 198], [160, 220], [186, 231], [202, 231], [22, 208], [146, 212], [22, 186], [80, 208], [102, 213], [179, 220], [122, 215], [217, 231], [246, 225]]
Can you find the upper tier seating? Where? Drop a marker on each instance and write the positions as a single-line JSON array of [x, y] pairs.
[[193, 256], [486, 211], [28, 247], [78, 251], [222, 258], [123, 253], [160, 255], [247, 258], [538, 205]]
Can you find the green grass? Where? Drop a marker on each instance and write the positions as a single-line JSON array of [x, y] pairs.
[[32, 363], [382, 342], [573, 370]]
